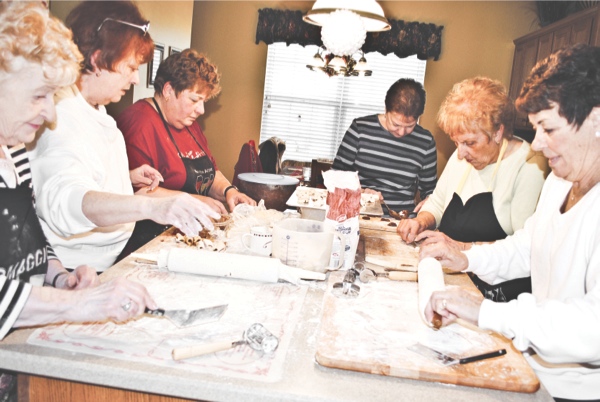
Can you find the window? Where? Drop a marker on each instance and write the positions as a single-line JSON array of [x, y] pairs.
[[310, 111]]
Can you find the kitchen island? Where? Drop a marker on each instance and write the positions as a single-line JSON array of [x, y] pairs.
[[49, 374]]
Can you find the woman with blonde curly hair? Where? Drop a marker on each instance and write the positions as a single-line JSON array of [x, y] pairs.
[[37, 56], [162, 132], [490, 184]]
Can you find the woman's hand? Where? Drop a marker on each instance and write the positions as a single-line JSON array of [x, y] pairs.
[[234, 197], [215, 205], [82, 277], [452, 303], [145, 175], [119, 299], [183, 211], [447, 251], [409, 229]]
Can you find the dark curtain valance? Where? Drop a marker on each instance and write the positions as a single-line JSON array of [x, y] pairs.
[[404, 39]]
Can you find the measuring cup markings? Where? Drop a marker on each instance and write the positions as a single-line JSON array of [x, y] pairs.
[[305, 244]]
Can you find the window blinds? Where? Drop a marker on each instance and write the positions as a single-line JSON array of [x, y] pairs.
[[311, 111]]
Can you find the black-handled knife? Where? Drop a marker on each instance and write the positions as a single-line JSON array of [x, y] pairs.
[[483, 356]]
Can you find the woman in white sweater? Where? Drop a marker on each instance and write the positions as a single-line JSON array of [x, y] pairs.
[[491, 183], [81, 175], [38, 56], [557, 325]]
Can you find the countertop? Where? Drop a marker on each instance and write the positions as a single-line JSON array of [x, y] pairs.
[[303, 379]]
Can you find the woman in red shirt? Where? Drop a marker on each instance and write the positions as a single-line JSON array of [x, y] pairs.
[[162, 132]]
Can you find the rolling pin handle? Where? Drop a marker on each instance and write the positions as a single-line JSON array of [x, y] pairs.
[[436, 321], [199, 350], [402, 276]]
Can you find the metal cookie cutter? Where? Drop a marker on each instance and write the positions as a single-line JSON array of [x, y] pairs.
[[347, 288]]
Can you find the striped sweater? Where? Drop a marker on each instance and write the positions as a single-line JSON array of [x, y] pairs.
[[396, 167], [14, 171]]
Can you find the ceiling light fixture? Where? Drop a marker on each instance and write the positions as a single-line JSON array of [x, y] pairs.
[[369, 11], [345, 24], [346, 66]]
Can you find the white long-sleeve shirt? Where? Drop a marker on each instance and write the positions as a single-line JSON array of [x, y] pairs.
[[515, 189], [560, 320], [83, 151]]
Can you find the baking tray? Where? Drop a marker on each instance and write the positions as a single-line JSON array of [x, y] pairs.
[[372, 208]]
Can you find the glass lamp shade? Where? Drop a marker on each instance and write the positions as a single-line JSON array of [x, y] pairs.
[[369, 11], [343, 34], [362, 64], [337, 63]]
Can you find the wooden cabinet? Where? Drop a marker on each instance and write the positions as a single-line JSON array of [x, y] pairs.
[[583, 27], [524, 60]]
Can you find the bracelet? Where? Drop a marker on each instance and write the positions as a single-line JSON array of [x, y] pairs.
[[227, 189], [56, 277]]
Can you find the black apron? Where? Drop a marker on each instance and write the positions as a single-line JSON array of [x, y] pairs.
[[200, 172], [23, 249], [476, 220], [199, 177]]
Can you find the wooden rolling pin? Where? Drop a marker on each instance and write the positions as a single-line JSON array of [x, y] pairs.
[[199, 350]]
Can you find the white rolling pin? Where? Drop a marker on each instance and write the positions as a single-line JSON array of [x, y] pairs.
[[431, 279], [203, 262]]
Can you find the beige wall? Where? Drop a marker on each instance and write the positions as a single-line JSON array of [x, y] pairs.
[[170, 25], [476, 40]]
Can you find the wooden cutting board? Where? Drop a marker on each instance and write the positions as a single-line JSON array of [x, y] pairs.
[[378, 223], [388, 249], [372, 333]]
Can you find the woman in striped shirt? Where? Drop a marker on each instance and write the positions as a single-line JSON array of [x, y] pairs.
[[393, 155]]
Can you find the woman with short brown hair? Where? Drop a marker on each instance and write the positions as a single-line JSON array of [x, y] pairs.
[[163, 132]]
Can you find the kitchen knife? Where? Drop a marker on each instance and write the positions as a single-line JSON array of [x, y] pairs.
[[185, 318], [449, 360]]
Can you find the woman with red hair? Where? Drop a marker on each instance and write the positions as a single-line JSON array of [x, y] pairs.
[[85, 197]]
